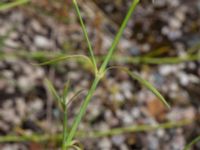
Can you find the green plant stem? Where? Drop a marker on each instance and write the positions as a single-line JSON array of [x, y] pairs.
[[43, 56], [64, 128], [95, 134], [188, 147], [82, 110], [99, 74], [118, 36], [164, 60], [138, 128], [12, 4], [85, 34]]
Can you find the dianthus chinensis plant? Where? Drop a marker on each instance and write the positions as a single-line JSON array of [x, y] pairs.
[[68, 135], [99, 72]]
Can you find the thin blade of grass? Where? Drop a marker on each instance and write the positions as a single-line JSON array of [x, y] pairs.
[[74, 96], [82, 110], [150, 87], [10, 5], [61, 58], [144, 82], [189, 146], [68, 57], [96, 134], [136, 128], [85, 34], [119, 35], [52, 90], [65, 92], [74, 147], [42, 56]]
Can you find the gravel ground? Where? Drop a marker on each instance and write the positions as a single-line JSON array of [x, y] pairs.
[[26, 106]]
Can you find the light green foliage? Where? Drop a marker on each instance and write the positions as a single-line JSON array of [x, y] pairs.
[[68, 57], [144, 82], [86, 35], [63, 100], [5, 6], [52, 90], [95, 134], [99, 73]]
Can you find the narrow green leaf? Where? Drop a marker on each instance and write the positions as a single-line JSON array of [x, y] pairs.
[[5, 6], [74, 97], [144, 83], [74, 147], [65, 116], [52, 90], [61, 58], [65, 92], [85, 34], [189, 146], [85, 135], [119, 35], [149, 86]]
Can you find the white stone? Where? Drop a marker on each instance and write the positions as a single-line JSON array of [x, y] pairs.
[[42, 42], [166, 69], [175, 23], [105, 144], [24, 83], [183, 78]]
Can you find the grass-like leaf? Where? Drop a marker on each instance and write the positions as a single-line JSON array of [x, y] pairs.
[[74, 147], [149, 86], [85, 135], [68, 57], [144, 82], [62, 58], [42, 56], [65, 92], [65, 116], [118, 36], [85, 34], [189, 146], [62, 101], [5, 6], [74, 97], [52, 90]]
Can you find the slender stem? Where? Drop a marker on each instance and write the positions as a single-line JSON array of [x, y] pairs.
[[82, 111], [138, 128], [189, 146], [118, 36], [96, 134], [85, 34], [64, 128], [12, 4], [99, 74], [41, 56]]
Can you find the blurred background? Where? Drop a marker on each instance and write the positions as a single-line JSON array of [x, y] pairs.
[[161, 43]]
